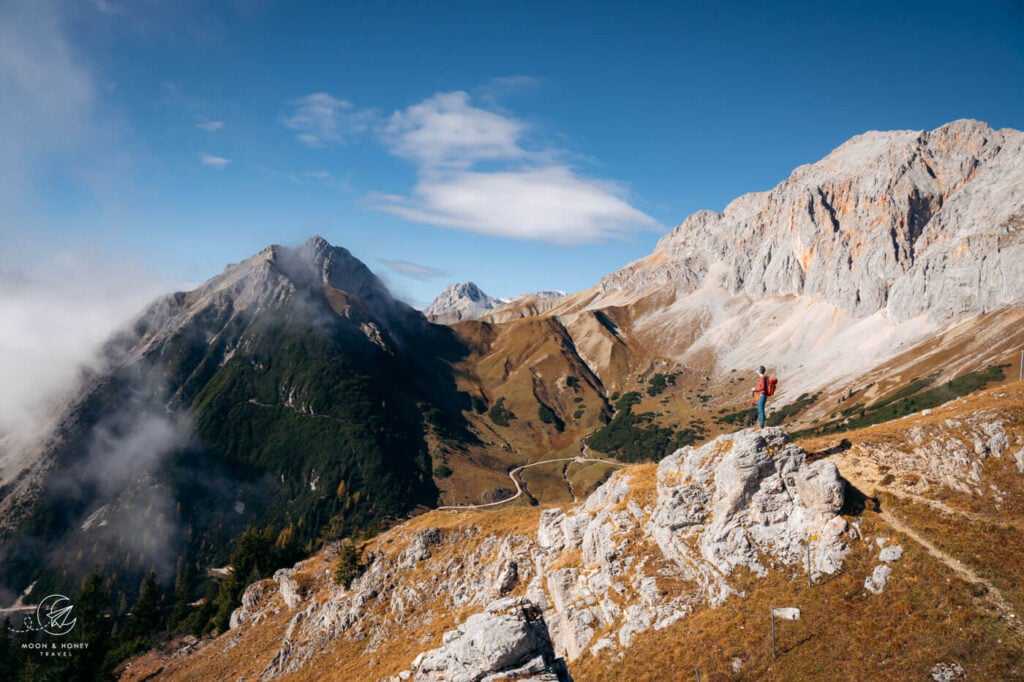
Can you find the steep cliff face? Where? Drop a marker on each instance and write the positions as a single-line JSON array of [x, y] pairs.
[[912, 223]]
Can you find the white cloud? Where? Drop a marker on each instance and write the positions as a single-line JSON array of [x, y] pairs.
[[447, 131], [529, 195], [550, 204], [414, 270], [212, 161], [56, 312], [210, 126], [321, 119]]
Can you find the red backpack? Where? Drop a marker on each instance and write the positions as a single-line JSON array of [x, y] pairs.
[[772, 383]]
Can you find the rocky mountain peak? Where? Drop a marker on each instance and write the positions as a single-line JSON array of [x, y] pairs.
[[460, 301], [277, 273], [907, 222]]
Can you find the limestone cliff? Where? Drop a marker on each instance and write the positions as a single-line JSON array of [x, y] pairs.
[[909, 222]]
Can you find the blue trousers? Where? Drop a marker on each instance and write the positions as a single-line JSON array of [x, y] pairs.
[[760, 409]]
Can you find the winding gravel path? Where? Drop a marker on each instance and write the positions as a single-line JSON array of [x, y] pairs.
[[519, 488]]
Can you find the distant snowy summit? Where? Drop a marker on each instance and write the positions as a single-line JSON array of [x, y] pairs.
[[467, 301]]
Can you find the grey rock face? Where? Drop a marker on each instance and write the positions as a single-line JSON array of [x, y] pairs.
[[509, 640], [950, 453], [290, 590], [250, 599], [743, 495], [419, 548], [907, 222]]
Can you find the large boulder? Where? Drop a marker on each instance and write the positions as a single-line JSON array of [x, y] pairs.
[[743, 497], [508, 640]]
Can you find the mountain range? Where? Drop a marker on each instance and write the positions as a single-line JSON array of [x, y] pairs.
[[292, 396]]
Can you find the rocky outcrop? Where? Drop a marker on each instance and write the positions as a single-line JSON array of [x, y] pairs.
[[950, 452], [508, 641], [737, 501], [906, 222]]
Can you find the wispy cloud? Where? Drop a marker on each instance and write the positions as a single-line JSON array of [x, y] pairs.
[[328, 179], [529, 194], [321, 119], [550, 204], [212, 161], [414, 270], [106, 7], [496, 89], [210, 126]]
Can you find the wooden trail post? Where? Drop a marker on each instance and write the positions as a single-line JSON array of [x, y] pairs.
[[772, 608], [1020, 377]]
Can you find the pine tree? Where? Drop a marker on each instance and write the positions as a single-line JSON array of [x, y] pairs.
[[145, 614], [92, 606], [182, 599]]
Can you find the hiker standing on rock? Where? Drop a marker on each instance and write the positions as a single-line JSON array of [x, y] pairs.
[[760, 394]]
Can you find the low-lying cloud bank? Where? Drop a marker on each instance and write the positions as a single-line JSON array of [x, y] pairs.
[[56, 315]]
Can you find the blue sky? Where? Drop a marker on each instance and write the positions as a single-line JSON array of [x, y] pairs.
[[522, 146]]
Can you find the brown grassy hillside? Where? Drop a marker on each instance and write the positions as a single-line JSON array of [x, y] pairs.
[[945, 486]]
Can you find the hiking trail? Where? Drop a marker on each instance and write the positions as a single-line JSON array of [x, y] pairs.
[[519, 487]]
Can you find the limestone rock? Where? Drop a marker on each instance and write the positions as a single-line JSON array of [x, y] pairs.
[[947, 672], [419, 548], [252, 596], [736, 501], [891, 554], [290, 590], [508, 640], [875, 583], [906, 222], [508, 577], [759, 496]]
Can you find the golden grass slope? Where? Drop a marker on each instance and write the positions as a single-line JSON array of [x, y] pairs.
[[929, 613]]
